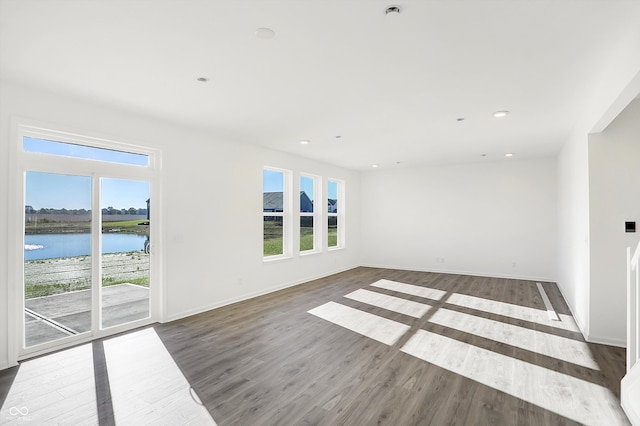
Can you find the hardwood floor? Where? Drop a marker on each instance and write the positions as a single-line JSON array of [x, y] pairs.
[[466, 350], [368, 346]]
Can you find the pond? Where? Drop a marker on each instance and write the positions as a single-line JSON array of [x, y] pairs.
[[47, 246]]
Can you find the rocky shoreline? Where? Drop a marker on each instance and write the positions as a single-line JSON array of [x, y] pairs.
[[76, 271]]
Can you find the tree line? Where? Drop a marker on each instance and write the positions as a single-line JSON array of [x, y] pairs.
[[106, 211]]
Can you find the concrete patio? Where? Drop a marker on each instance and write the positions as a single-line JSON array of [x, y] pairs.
[[53, 317]]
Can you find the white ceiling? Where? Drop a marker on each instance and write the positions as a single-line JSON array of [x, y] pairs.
[[391, 86]]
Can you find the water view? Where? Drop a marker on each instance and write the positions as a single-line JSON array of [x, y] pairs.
[[50, 246], [64, 285]]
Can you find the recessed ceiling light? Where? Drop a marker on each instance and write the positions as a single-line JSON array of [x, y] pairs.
[[305, 142], [500, 114], [460, 119], [392, 10], [203, 79], [338, 137], [265, 33], [375, 166], [509, 154], [483, 155]]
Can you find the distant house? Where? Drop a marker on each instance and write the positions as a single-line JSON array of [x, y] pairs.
[[306, 205], [272, 202], [29, 210], [332, 206]]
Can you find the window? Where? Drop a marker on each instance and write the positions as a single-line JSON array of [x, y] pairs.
[[275, 212], [64, 149], [335, 214], [82, 235], [308, 222]]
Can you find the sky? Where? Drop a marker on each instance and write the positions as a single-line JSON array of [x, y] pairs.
[[57, 191], [80, 151], [306, 185], [273, 182]]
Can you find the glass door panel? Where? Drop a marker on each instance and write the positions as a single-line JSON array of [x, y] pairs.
[[57, 257], [125, 251]]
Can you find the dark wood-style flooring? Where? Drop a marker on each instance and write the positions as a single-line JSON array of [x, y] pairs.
[[484, 353], [268, 362]]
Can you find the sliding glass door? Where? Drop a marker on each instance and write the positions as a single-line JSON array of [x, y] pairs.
[[87, 268], [57, 257], [125, 262]]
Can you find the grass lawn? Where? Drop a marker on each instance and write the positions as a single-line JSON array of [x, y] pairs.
[[333, 237], [123, 224], [126, 226], [42, 290], [273, 238], [57, 227], [306, 239]]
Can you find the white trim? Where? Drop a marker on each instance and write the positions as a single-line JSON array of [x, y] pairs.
[[626, 96], [21, 162], [5, 364], [86, 337], [275, 258], [583, 328], [553, 316], [252, 295], [340, 215], [606, 341], [460, 272], [81, 136], [286, 214], [15, 318], [630, 394]]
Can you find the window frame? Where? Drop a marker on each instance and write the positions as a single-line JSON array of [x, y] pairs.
[[285, 214], [339, 215], [24, 161]]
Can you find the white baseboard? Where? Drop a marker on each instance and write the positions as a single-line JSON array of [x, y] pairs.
[[460, 272], [248, 296], [5, 364], [621, 343], [584, 329]]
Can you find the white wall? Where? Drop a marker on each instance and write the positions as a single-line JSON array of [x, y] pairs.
[[614, 194], [573, 227], [212, 257], [616, 81], [492, 219]]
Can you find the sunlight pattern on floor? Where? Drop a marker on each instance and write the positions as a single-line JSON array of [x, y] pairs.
[[524, 313], [140, 393], [551, 390], [568, 350], [524, 374], [145, 385], [373, 326], [390, 303], [56, 389], [414, 290]]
